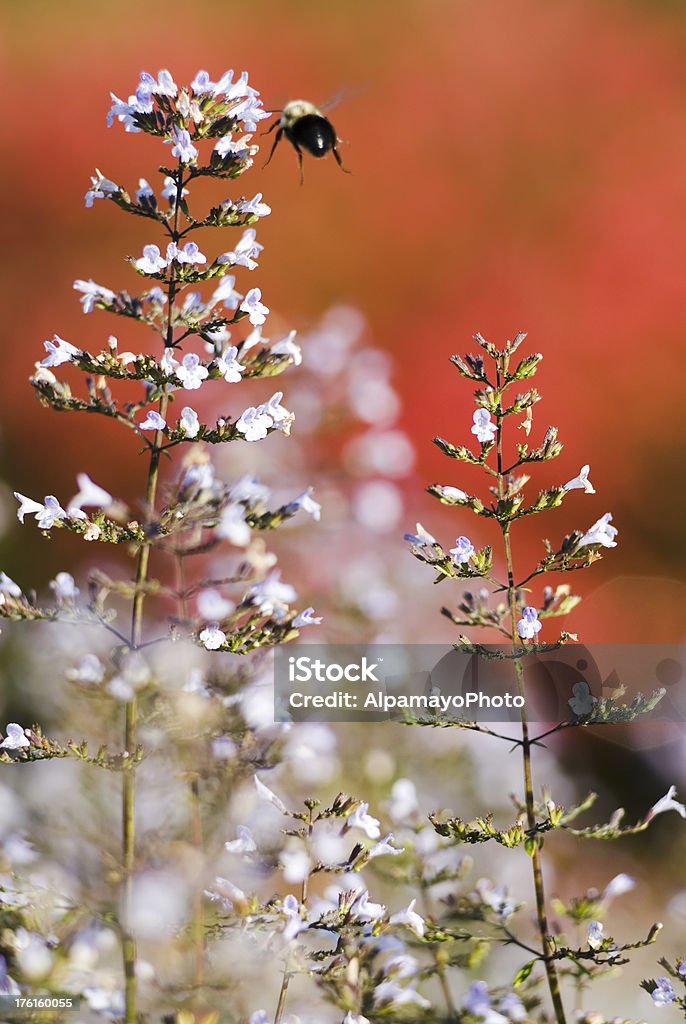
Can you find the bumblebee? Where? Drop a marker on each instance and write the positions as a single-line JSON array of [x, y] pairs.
[[306, 128]]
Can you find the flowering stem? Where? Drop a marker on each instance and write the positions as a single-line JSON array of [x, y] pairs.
[[541, 913], [131, 711], [281, 1005]]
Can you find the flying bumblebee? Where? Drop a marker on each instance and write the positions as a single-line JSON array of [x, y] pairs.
[[306, 127]]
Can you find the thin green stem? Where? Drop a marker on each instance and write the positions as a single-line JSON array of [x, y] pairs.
[[281, 1005], [537, 868]]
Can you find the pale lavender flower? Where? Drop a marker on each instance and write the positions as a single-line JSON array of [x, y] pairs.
[[50, 512], [254, 307], [403, 802], [165, 85], [169, 365], [244, 842], [512, 1005], [271, 596], [295, 865], [255, 206], [496, 898], [27, 506], [306, 618], [240, 148], [385, 848], [452, 494], [101, 188], [287, 347], [89, 494], [484, 430], [595, 934], [59, 351], [152, 261], [411, 919], [422, 540], [306, 503], [170, 189], [229, 366], [223, 748], [254, 423], [212, 637], [188, 253], [667, 803], [183, 147], [144, 190], [8, 586], [477, 999], [580, 482], [8, 986], [529, 626], [388, 993], [463, 550], [364, 910], [601, 533], [124, 113], [189, 424], [202, 86], [281, 417], [268, 796], [191, 373], [663, 994], [153, 421], [15, 738], [250, 112], [618, 885], [243, 255], [213, 606], [233, 527], [362, 819], [250, 490], [93, 293], [226, 293], [64, 588], [583, 701]]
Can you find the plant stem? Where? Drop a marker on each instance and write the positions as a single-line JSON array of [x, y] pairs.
[[541, 912], [281, 1005], [131, 710]]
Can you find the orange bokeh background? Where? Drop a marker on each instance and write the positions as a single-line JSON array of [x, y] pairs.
[[515, 165]]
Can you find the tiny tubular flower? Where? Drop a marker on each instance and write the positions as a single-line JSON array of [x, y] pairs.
[[153, 421], [529, 626], [188, 253], [15, 738], [463, 550], [484, 430], [255, 206], [245, 253], [254, 307], [212, 637], [362, 819], [232, 525], [229, 367], [287, 347], [580, 482], [243, 843], [64, 588], [667, 803], [183, 148], [89, 494], [101, 188], [152, 261], [189, 425], [59, 351], [452, 494], [8, 587], [191, 372], [600, 533], [93, 293], [582, 702], [268, 796], [595, 934], [411, 919], [663, 994], [306, 618], [50, 512]]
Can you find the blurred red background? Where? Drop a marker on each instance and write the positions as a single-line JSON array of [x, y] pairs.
[[515, 165]]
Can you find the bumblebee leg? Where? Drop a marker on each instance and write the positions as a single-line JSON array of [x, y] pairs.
[[271, 127], [299, 151], [277, 140], [339, 161]]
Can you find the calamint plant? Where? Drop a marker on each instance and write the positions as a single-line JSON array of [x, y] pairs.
[[203, 331], [513, 610]]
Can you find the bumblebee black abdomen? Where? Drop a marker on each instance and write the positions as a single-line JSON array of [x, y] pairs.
[[313, 133]]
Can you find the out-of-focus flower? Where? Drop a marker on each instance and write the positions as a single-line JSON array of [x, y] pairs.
[[306, 503], [484, 430], [306, 618], [243, 843], [618, 885], [663, 994], [385, 848], [595, 934], [667, 803], [268, 796], [9, 587], [389, 993], [287, 347], [529, 626], [233, 527], [581, 482], [89, 494], [213, 606], [411, 919], [362, 819], [583, 701], [64, 588]]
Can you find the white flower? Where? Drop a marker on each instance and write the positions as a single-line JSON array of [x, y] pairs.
[[384, 848], [354, 1018], [580, 482], [16, 737], [27, 506], [583, 701], [191, 373], [90, 670], [411, 919], [254, 423], [212, 637], [281, 417], [8, 586], [667, 803], [250, 490], [403, 799], [306, 503], [452, 494], [255, 206], [90, 494], [169, 365], [529, 626], [244, 843], [226, 293], [295, 865], [229, 366], [153, 421], [59, 351], [601, 533], [223, 748], [595, 934], [183, 147], [287, 347], [484, 430], [144, 190], [189, 424], [618, 885], [165, 85], [422, 539], [360, 818], [496, 898], [256, 310], [389, 993], [152, 261], [189, 253], [50, 512], [306, 618], [271, 596], [245, 253], [240, 148], [170, 189], [100, 188], [463, 550], [93, 293], [233, 527], [364, 910], [64, 588], [213, 606], [266, 794]]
